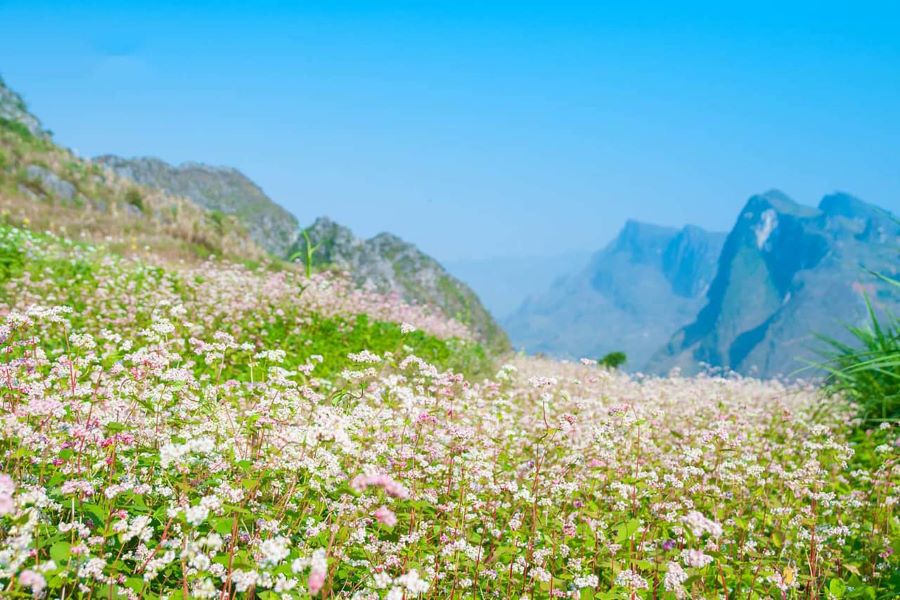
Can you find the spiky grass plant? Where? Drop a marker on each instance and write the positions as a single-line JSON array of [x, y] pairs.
[[867, 370]]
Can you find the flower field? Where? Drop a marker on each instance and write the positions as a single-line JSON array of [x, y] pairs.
[[216, 431]]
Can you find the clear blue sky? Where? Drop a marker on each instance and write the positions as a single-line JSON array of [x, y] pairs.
[[480, 129]]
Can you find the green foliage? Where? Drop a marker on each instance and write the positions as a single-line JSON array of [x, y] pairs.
[[336, 337], [17, 128], [307, 253], [12, 258], [134, 198], [868, 370], [613, 360]]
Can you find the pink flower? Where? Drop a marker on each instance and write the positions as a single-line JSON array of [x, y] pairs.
[[316, 581], [384, 481], [33, 580], [386, 516]]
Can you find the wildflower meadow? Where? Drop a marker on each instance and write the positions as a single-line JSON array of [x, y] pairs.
[[222, 431]]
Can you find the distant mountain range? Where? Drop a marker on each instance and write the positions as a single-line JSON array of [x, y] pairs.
[[631, 296], [751, 302], [788, 272]]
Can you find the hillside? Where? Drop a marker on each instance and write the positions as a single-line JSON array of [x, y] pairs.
[[632, 295], [47, 187], [190, 212], [221, 189], [389, 265], [786, 272]]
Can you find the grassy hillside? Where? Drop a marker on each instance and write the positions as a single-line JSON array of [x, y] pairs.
[[304, 317], [48, 188]]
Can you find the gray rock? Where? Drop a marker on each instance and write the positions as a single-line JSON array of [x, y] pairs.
[[50, 182]]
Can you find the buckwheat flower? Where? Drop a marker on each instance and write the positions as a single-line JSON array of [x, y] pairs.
[[315, 582], [162, 327], [414, 584], [586, 581], [695, 558], [7, 487], [195, 515], [205, 589], [318, 569], [34, 581], [273, 551], [384, 481], [364, 357], [632, 580], [385, 516], [699, 524], [674, 580], [395, 593], [382, 580], [92, 569], [284, 584], [244, 580], [541, 382]]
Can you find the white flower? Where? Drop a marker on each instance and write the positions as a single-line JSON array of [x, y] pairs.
[[195, 515], [273, 551]]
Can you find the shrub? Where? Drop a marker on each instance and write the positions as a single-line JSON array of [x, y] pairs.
[[613, 360]]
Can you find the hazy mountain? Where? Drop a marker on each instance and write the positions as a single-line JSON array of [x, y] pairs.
[[632, 295], [502, 283], [390, 265], [788, 271], [222, 189]]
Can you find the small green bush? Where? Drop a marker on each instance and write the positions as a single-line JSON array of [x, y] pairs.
[[613, 360], [134, 198]]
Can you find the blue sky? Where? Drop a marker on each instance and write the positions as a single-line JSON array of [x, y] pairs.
[[479, 129]]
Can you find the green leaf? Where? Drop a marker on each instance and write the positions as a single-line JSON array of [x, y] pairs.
[[60, 552], [626, 530], [223, 525]]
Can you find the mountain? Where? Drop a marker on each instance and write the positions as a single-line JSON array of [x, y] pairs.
[[48, 188], [787, 272], [502, 283], [221, 189], [388, 264], [633, 294], [13, 110]]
